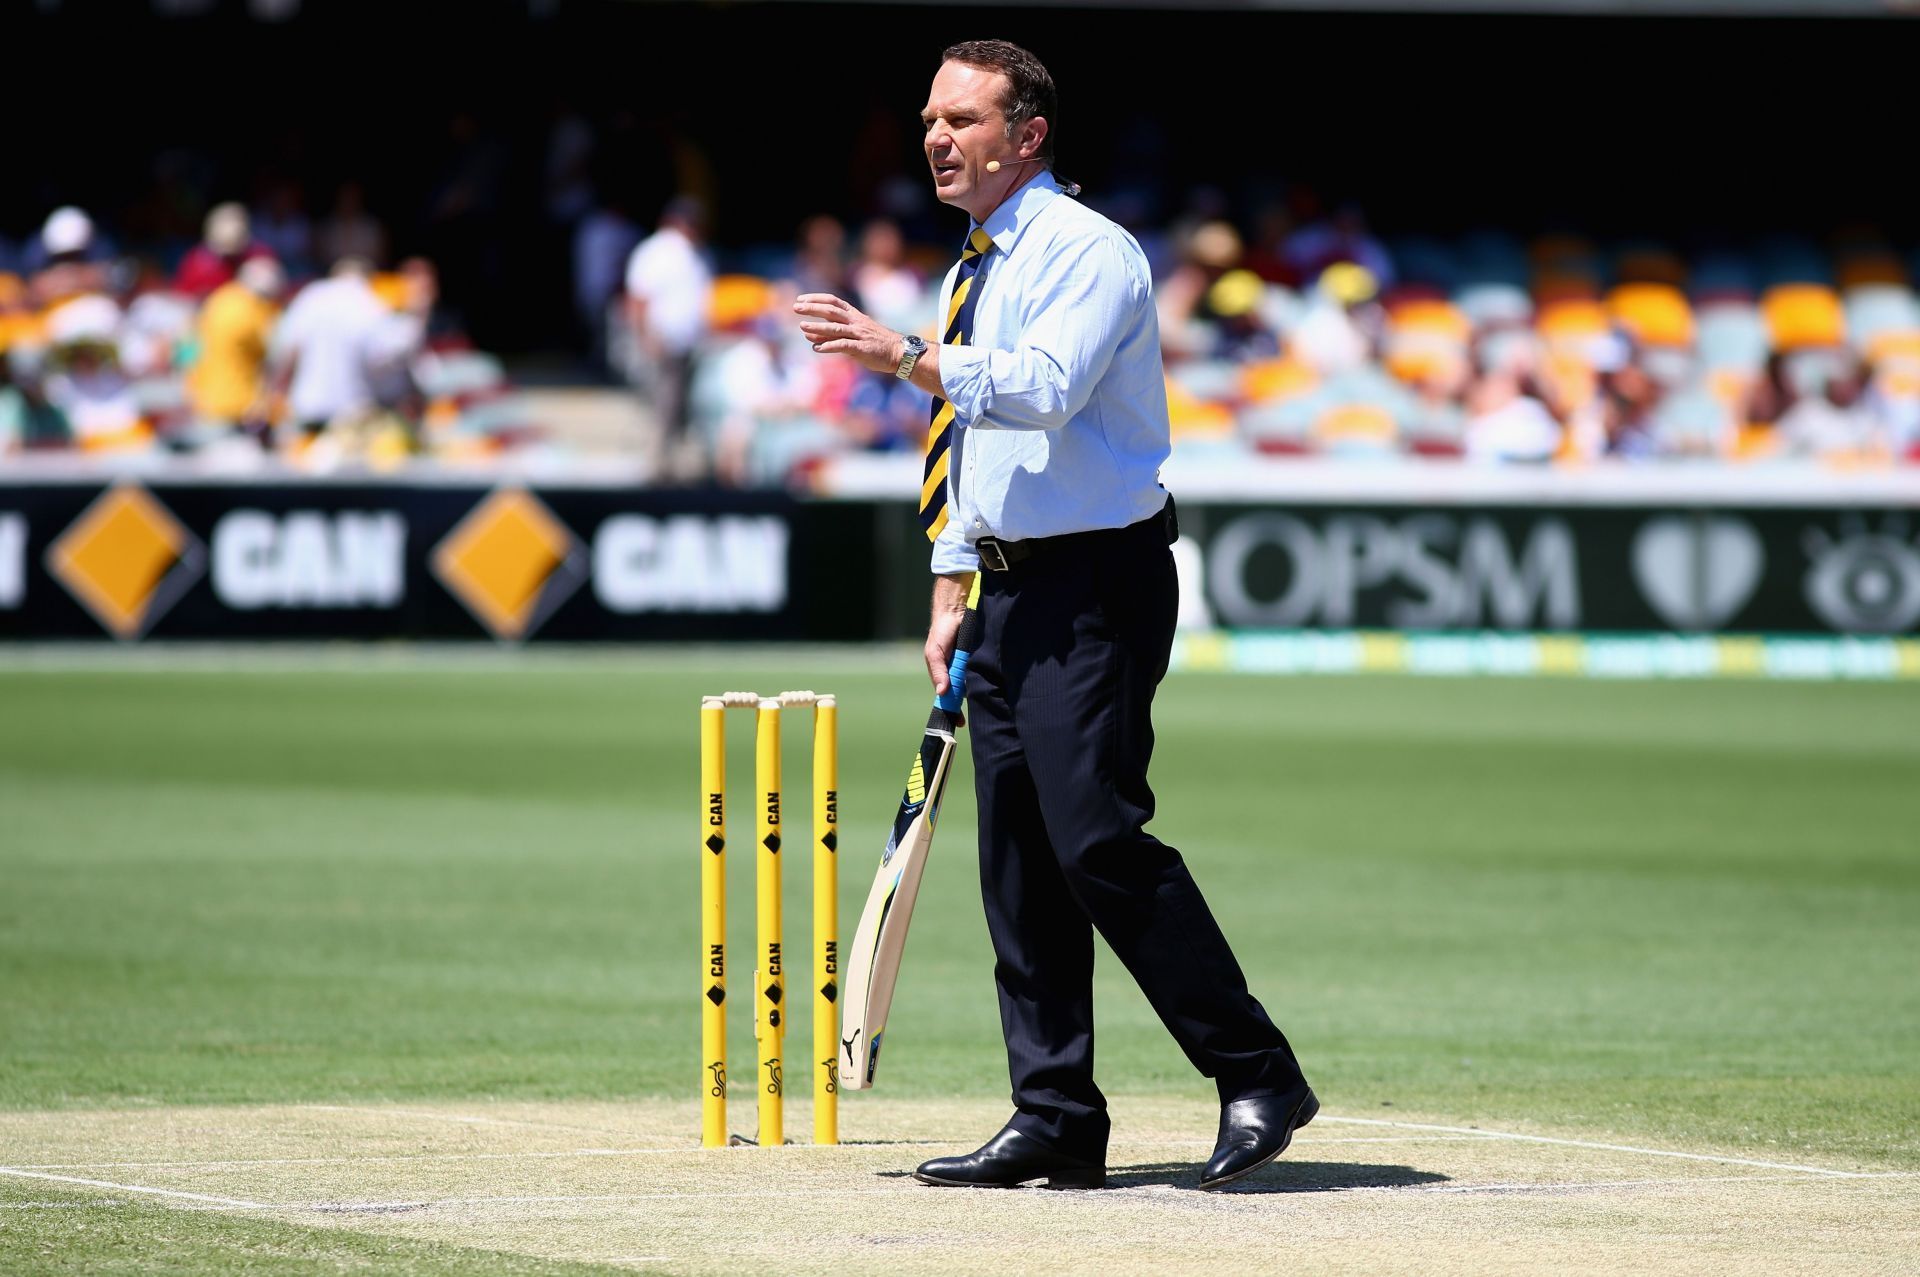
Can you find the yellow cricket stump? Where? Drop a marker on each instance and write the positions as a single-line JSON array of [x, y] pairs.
[[826, 921], [769, 979], [769, 985]]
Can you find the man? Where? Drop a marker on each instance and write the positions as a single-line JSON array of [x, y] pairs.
[[1049, 428], [228, 385], [669, 287], [333, 343]]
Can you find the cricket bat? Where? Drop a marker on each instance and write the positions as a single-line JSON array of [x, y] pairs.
[[881, 940]]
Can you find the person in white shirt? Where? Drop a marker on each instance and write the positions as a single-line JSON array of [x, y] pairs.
[[334, 341], [1042, 482], [669, 288]]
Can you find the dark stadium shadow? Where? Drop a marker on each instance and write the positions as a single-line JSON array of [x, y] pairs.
[[1281, 1177]]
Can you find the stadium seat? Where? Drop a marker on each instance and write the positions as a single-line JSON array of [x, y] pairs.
[[1573, 324], [1792, 259], [1285, 427], [1649, 264], [1493, 257], [1693, 421], [1421, 260], [1866, 269], [1655, 314], [1276, 380], [1732, 335], [1424, 336], [1489, 305], [737, 299], [1873, 309], [1799, 316], [1723, 276]]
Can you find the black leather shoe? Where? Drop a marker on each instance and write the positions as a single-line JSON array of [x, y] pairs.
[[1009, 1160], [1254, 1132]]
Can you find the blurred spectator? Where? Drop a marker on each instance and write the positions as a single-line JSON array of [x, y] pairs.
[[216, 259], [1833, 422], [336, 338], [227, 386], [669, 286], [888, 289], [1333, 336], [602, 242], [820, 260], [84, 379], [1506, 423], [1209, 252], [69, 259], [1344, 237], [885, 414], [350, 231]]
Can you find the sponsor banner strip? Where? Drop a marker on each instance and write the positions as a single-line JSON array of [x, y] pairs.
[[1550, 655]]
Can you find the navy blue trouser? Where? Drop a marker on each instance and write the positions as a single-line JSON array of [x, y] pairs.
[[1059, 695]]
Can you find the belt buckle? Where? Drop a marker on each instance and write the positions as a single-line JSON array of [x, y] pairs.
[[992, 557]]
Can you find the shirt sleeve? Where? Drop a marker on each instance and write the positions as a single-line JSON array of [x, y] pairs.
[[951, 553], [1067, 340]]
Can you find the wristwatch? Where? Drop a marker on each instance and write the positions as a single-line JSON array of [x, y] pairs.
[[912, 348]]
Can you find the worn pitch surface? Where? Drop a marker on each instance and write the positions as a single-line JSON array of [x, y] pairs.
[[620, 1184]]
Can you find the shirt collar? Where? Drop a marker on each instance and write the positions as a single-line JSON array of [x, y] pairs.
[[1017, 211]]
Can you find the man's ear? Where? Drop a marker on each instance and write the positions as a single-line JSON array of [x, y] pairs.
[[1032, 136]]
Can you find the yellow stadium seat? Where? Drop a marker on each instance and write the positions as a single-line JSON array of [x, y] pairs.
[[1353, 423], [1901, 345], [737, 299], [1274, 380], [1656, 314], [1800, 316], [390, 286], [1427, 315], [1573, 320], [1191, 418]]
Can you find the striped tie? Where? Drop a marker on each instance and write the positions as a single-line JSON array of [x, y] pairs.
[[933, 479]]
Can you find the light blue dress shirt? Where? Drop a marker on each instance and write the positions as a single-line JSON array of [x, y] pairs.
[[1060, 405]]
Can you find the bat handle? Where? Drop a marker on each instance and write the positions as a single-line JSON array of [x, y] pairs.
[[956, 693], [964, 642]]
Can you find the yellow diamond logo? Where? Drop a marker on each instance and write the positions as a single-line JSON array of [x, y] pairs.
[[127, 559], [511, 562]]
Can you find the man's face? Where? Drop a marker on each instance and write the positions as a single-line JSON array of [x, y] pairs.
[[965, 127]]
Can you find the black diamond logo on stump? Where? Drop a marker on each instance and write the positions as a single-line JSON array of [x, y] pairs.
[[829, 992], [772, 843], [716, 995], [774, 993], [773, 1019], [830, 840], [716, 844]]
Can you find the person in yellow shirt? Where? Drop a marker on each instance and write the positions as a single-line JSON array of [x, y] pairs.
[[228, 384]]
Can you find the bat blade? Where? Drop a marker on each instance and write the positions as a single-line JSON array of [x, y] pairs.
[[881, 940]]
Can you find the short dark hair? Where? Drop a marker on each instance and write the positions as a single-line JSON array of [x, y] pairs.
[[1030, 90]]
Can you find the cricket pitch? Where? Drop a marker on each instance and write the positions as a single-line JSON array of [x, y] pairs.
[[623, 1185]]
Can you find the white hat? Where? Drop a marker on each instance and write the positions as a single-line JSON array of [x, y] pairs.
[[228, 228], [68, 230], [92, 319]]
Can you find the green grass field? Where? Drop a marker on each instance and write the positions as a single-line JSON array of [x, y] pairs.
[[1683, 913]]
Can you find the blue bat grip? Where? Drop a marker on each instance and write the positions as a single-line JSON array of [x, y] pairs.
[[956, 693]]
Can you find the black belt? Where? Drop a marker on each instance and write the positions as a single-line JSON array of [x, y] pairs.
[[997, 555]]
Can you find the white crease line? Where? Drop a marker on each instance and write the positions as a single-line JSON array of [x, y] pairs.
[[133, 1188], [1154, 1190], [683, 1150], [1610, 1148]]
